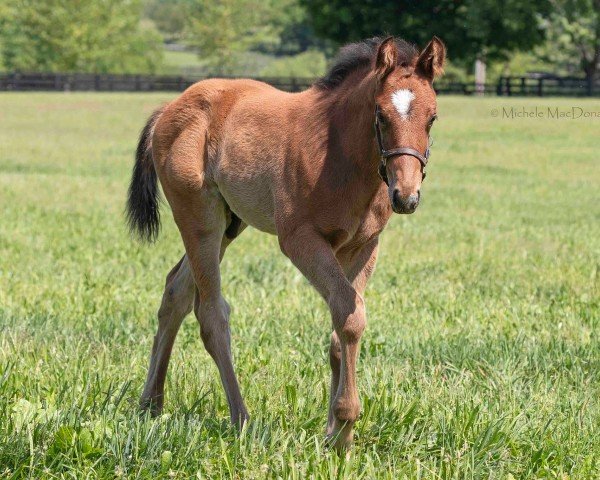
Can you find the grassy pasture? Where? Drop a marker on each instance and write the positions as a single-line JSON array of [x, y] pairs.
[[481, 358]]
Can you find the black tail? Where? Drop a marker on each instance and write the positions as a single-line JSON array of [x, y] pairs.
[[143, 216]]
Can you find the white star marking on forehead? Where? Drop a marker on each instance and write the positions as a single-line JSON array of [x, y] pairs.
[[401, 99]]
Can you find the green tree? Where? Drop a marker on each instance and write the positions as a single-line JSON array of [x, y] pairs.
[[308, 64], [169, 16], [223, 31], [77, 36], [573, 28], [295, 32], [488, 29]]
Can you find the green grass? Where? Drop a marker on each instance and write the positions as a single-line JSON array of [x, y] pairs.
[[481, 358]]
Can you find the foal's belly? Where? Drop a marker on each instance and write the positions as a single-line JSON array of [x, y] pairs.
[[250, 199]]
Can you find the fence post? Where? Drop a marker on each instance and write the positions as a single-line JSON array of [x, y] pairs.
[[480, 70], [508, 90], [540, 87]]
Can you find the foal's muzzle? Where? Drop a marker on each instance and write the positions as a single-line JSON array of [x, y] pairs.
[[405, 204]]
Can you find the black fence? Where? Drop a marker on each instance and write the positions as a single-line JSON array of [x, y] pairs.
[[507, 86], [82, 82], [548, 86], [458, 88]]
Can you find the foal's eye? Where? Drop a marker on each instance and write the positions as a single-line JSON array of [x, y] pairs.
[[431, 120], [381, 119]]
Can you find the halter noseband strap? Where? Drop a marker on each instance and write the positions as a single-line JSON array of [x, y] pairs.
[[385, 154]]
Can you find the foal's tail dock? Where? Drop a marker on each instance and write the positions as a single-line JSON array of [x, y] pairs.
[[143, 216]]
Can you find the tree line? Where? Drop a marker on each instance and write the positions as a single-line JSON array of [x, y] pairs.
[[128, 36]]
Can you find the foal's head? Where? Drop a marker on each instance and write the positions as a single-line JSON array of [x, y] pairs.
[[405, 110]]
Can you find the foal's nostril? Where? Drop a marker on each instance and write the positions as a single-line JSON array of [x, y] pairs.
[[397, 201], [412, 201], [407, 204]]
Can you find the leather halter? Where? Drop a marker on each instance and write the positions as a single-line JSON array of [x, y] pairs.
[[385, 154]]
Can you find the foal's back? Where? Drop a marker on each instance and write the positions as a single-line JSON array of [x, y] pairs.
[[233, 136], [207, 103]]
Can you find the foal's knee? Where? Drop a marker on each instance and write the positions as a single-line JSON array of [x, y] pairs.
[[349, 316]]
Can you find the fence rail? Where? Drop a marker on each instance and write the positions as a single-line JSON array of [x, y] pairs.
[[506, 86], [458, 88], [120, 83], [548, 86]]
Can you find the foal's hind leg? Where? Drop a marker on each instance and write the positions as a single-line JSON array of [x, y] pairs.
[[202, 221], [177, 302]]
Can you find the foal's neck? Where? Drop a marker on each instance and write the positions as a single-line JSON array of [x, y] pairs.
[[350, 111]]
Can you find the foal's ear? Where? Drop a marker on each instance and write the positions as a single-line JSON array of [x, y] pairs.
[[431, 60], [387, 58]]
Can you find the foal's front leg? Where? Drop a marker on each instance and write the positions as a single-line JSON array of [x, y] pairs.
[[315, 259], [358, 273]]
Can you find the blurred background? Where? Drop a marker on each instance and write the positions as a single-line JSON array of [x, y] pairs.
[[489, 41]]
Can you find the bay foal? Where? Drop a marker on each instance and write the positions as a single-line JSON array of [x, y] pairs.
[[308, 167]]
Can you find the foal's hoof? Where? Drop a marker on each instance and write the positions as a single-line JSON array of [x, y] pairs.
[[341, 441], [241, 420], [150, 405]]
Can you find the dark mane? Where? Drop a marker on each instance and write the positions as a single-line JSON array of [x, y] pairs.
[[357, 55]]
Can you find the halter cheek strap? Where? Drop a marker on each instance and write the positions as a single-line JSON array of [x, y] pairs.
[[385, 154]]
